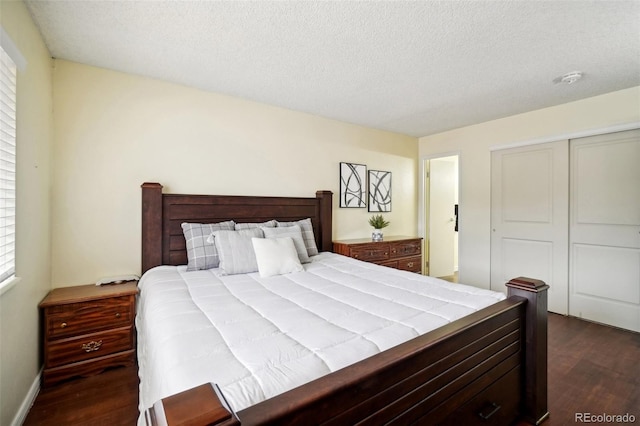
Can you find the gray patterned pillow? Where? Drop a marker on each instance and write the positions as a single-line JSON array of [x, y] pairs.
[[295, 232], [307, 234], [268, 224], [237, 255], [200, 253]]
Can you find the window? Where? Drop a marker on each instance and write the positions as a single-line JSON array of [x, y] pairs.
[[8, 73]]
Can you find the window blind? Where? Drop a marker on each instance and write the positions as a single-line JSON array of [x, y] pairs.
[[7, 165]]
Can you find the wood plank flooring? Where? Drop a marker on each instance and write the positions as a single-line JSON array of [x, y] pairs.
[[108, 399], [592, 369]]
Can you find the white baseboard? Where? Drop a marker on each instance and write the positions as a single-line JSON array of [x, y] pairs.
[[28, 401]]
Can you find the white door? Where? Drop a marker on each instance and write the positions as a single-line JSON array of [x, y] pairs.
[[605, 229], [529, 218], [442, 200]]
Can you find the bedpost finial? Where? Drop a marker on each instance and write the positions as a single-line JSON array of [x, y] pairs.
[[528, 284], [151, 185]]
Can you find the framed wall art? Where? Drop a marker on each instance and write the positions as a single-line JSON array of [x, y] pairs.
[[353, 185], [379, 191]]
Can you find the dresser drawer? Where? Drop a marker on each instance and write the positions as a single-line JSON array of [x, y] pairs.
[[66, 351], [77, 318], [412, 264], [389, 263], [406, 248], [371, 253]]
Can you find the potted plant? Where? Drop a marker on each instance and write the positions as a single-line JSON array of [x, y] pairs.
[[378, 222]]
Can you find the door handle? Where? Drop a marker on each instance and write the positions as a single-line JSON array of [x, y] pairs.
[[455, 213]]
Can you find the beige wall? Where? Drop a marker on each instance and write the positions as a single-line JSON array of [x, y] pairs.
[[473, 143], [19, 337], [114, 131]]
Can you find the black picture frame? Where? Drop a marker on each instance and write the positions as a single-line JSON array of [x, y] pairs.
[[353, 185], [379, 191]]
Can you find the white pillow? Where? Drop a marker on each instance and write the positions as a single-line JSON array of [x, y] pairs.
[[276, 256]]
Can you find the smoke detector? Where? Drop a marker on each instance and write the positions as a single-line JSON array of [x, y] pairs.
[[568, 78]]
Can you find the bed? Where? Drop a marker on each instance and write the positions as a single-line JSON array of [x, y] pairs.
[[485, 365]]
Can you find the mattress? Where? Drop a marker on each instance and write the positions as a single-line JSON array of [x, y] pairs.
[[258, 337]]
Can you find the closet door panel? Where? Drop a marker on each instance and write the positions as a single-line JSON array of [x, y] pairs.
[[527, 258], [529, 218], [607, 272], [605, 229]]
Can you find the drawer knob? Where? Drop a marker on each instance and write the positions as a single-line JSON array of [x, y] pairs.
[[410, 264], [63, 325], [92, 346], [118, 315]]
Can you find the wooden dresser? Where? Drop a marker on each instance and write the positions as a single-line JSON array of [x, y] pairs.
[[87, 329], [396, 252]]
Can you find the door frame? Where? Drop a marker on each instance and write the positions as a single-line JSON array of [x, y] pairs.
[[568, 136], [422, 198]]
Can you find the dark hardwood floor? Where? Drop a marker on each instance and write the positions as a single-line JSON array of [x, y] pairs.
[[592, 369], [108, 399]]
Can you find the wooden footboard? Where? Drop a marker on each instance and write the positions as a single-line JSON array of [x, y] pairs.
[[474, 370], [486, 368]]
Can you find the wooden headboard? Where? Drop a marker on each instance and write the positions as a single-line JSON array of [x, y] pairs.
[[162, 214]]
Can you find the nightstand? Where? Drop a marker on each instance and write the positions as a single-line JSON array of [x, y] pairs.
[[87, 329], [403, 253]]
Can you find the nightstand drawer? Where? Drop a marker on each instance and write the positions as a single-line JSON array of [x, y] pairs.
[[371, 253], [77, 318], [66, 351], [409, 248], [412, 264]]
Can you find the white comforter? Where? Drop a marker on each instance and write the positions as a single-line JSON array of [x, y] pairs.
[[258, 337]]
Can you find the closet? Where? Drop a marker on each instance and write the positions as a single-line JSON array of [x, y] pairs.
[[568, 212]]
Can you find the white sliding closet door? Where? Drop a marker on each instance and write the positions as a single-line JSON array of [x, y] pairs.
[[605, 229], [530, 218]]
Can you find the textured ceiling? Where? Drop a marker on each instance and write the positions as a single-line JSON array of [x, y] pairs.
[[417, 68]]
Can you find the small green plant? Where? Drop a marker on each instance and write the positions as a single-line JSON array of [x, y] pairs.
[[378, 222]]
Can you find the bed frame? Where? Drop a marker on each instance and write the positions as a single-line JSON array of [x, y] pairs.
[[487, 368]]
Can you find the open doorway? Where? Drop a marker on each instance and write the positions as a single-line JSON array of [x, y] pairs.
[[441, 217]]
